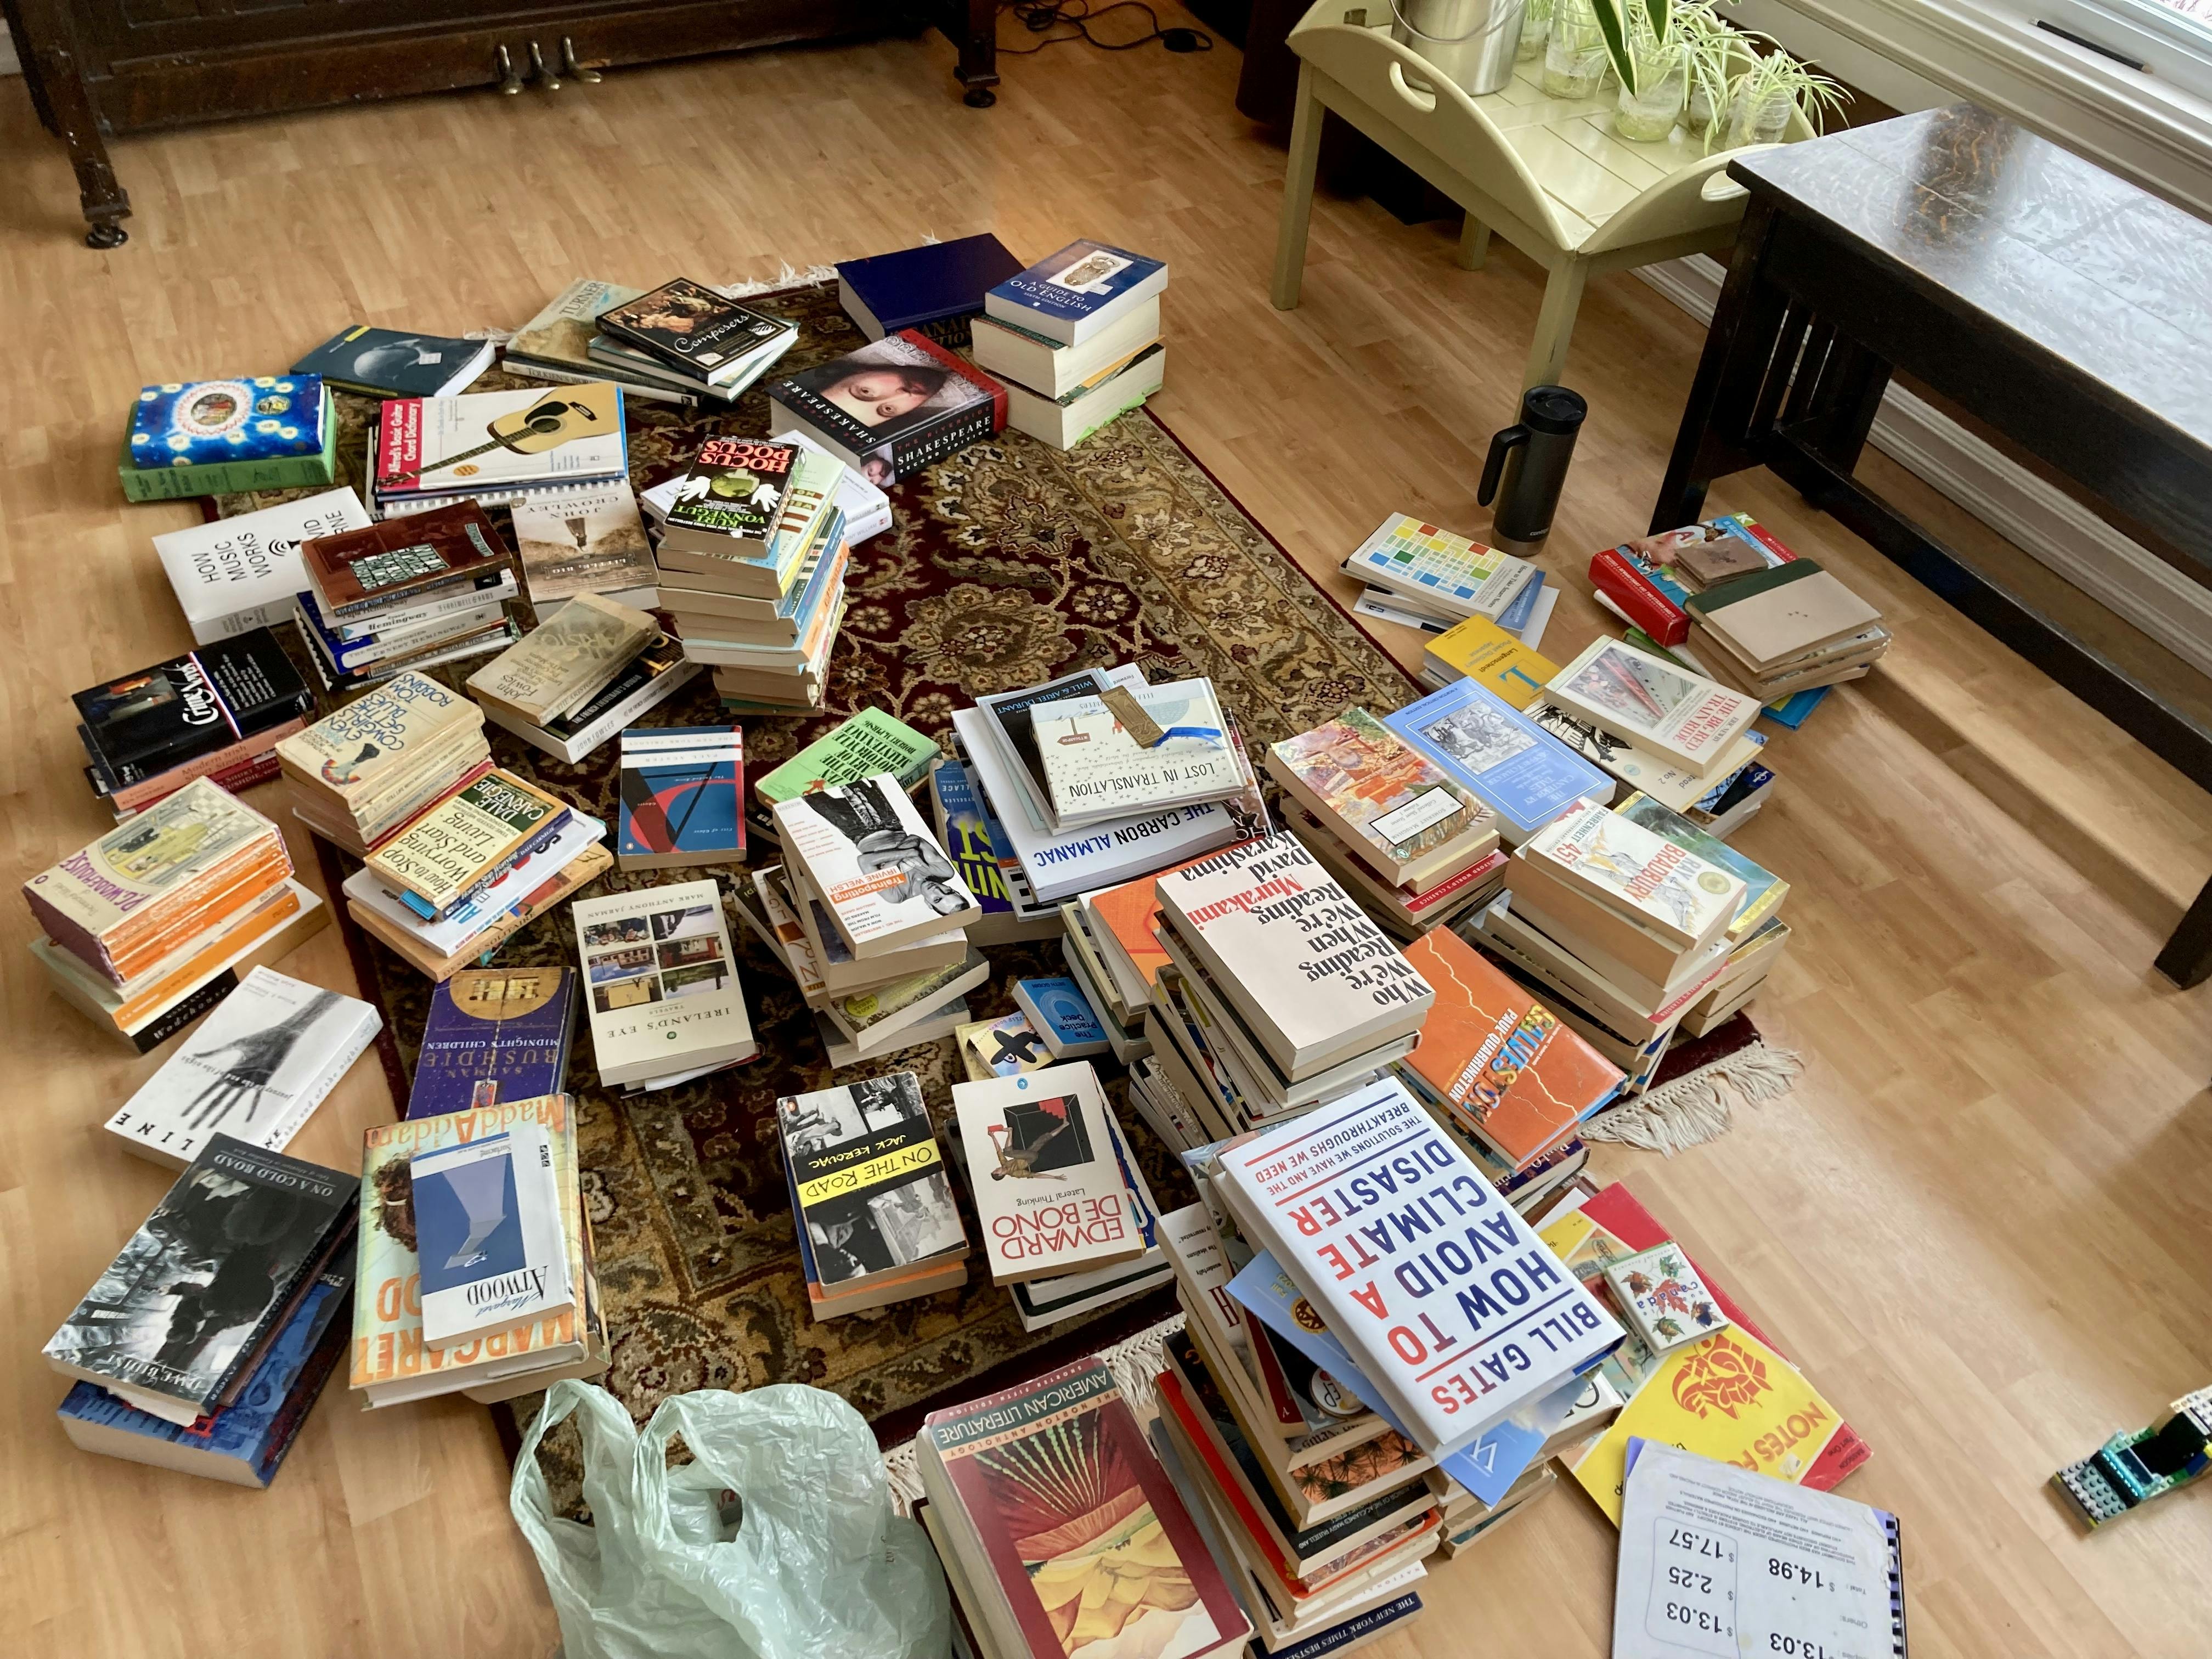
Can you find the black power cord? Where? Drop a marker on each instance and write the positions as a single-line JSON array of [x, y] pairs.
[[1041, 17]]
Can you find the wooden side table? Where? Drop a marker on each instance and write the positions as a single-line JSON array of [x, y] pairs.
[[1549, 174]]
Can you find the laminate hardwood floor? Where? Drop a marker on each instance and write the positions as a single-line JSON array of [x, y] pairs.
[[1979, 1222]]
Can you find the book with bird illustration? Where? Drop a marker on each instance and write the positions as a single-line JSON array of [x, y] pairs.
[[1048, 1190]]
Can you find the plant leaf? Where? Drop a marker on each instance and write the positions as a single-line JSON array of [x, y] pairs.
[[1612, 29]]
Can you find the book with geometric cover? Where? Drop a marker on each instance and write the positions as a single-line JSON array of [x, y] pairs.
[[1500, 755], [871, 1189], [1679, 714], [1422, 562], [681, 791], [1070, 1528], [488, 1233], [1047, 1187], [494, 1034], [1397, 809]]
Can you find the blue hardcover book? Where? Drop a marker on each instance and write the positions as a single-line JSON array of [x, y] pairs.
[[196, 423], [493, 1034], [1063, 1017], [1485, 744], [1076, 292], [245, 1441], [935, 288], [682, 797], [386, 362], [1793, 709]]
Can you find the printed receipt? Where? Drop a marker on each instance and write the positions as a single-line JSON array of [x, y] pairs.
[[1717, 1560]]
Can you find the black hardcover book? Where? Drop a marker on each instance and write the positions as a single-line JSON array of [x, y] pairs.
[[894, 406], [192, 1296], [140, 725], [689, 325]]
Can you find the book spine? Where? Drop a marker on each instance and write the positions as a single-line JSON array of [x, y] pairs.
[[172, 1019], [173, 483], [318, 1088], [916, 451], [532, 370], [1639, 598]]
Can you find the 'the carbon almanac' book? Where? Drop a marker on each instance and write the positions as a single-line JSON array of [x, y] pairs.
[[1048, 1188], [1051, 1489], [894, 406], [494, 1034]]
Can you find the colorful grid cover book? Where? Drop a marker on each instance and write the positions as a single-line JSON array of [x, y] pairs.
[[1523, 773], [1426, 562], [868, 1178], [1502, 1063], [1053, 1486], [682, 794], [494, 1034], [1442, 1293]]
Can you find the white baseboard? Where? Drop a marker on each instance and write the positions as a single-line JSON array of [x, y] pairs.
[[7, 64], [2043, 521]]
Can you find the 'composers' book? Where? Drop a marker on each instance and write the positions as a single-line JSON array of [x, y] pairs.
[[489, 1242], [179, 1316], [255, 1069], [691, 327], [892, 407], [1665, 708], [240, 573], [681, 792], [1451, 1306], [1072, 1534], [1404, 816], [665, 993], [494, 1034], [1048, 1190], [870, 1179], [875, 865]]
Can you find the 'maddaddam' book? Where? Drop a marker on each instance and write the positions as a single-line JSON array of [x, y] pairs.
[[1067, 1528], [237, 574], [892, 407], [489, 1242], [666, 996], [256, 1070], [868, 854], [870, 742], [1047, 1187], [869, 1177], [494, 1034], [682, 796], [178, 1318]]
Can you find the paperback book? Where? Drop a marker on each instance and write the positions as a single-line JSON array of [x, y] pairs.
[[1523, 773], [1402, 813], [731, 497], [1006, 1047], [869, 1179], [384, 363], [690, 326], [1134, 749], [1048, 1189], [665, 993], [869, 743], [401, 562], [555, 667], [493, 1034], [592, 542], [1062, 1017], [1434, 567], [1084, 288], [681, 791], [236, 574], [1688, 719], [879, 871], [892, 408], [484, 441], [240, 691], [488, 1235], [468, 839]]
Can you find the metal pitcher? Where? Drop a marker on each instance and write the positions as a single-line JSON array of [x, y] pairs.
[[1472, 43]]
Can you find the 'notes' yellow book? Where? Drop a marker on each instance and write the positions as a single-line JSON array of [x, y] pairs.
[[1477, 649]]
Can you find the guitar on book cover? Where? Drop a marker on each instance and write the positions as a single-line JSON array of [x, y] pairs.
[[556, 418]]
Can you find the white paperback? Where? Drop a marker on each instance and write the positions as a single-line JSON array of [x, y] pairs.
[[1455, 1311], [239, 574], [1668, 710], [866, 853], [1137, 749], [665, 993], [488, 1237], [255, 1069], [1049, 1188]]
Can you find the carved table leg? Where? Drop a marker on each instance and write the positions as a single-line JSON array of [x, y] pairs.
[[58, 64]]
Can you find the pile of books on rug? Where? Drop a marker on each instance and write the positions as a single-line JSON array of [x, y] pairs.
[[652, 345], [575, 681], [404, 593]]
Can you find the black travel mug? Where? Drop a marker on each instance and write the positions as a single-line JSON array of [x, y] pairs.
[[1527, 463]]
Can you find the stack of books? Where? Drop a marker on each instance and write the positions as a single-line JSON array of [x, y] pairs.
[[233, 575], [1058, 1528], [590, 542], [497, 447], [868, 743], [1277, 993], [1106, 940], [892, 408], [1410, 841], [448, 858], [1775, 633], [752, 560], [549, 676], [656, 674], [154, 923], [221, 437], [1477, 649], [868, 510], [1068, 1222], [217, 712], [1075, 340], [404, 593], [684, 334], [203, 1344], [1427, 577], [937, 289], [486, 1200], [1655, 712], [493, 1034], [359, 775], [873, 1206], [666, 1005], [976, 843], [556, 344]]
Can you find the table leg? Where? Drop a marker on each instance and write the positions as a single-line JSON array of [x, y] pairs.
[[1297, 195], [1731, 371], [1474, 244], [2187, 958], [1555, 324]]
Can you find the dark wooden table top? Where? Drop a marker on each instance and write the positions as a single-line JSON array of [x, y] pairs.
[[1985, 217]]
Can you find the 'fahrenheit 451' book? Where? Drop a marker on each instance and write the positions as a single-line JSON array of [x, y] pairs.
[[1072, 1529], [1048, 1190], [1452, 1307], [1498, 1061]]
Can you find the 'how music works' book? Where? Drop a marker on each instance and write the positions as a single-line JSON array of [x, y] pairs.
[[493, 440], [666, 996], [1068, 1529], [865, 850], [1048, 1188], [1389, 802], [682, 795], [890, 408], [494, 1034], [1675, 714], [1450, 1306], [239, 574]]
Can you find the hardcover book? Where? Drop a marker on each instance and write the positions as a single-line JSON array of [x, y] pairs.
[[489, 1241], [1714, 551], [484, 441], [1663, 1297], [1134, 750], [468, 838], [141, 724], [493, 1034], [1078, 291], [179, 1315], [1048, 1190], [239, 574], [383, 362], [890, 408], [1477, 649], [255, 1070], [689, 325], [869, 1179], [398, 561], [196, 423], [1681, 715], [1522, 773], [1398, 809], [881, 873], [1454, 1341], [1498, 1061], [1076, 1532], [935, 289], [1435, 566], [681, 790], [664, 992], [869, 743], [592, 542]]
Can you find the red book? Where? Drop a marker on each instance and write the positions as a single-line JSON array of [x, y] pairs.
[[1638, 597], [1504, 1065], [1057, 1505]]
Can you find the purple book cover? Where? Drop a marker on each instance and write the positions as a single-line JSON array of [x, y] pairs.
[[506, 1029]]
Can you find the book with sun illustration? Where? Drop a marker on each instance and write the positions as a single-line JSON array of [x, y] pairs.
[[1048, 1188], [1069, 1531]]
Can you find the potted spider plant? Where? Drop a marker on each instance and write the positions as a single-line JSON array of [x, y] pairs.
[[1774, 88], [1536, 29], [1650, 45], [1576, 49]]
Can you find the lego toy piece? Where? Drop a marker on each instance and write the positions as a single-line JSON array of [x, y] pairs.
[[2133, 1468]]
